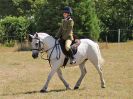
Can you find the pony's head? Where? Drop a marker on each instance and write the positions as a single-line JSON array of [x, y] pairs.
[[37, 45]]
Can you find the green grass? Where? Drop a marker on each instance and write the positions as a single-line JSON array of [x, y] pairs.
[[21, 77]]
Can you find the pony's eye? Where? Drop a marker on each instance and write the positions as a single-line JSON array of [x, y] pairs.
[[36, 44]]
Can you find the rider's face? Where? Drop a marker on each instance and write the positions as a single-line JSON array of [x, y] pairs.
[[65, 15]]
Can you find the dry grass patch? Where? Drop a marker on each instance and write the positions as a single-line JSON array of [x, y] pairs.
[[21, 77]]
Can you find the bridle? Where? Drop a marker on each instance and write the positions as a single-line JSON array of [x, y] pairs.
[[41, 50], [39, 46]]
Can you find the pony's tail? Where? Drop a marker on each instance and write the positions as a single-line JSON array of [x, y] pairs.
[[102, 61], [100, 58]]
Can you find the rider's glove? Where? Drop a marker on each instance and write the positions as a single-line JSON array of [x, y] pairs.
[[56, 37]]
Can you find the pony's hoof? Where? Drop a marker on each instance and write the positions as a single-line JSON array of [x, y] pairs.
[[76, 88], [103, 86], [43, 91], [68, 88], [73, 62]]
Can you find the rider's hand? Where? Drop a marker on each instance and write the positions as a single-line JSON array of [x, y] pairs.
[[56, 37]]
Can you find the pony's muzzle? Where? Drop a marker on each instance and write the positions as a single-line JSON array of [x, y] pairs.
[[35, 54]]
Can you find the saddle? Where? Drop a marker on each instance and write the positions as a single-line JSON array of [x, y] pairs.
[[74, 48]]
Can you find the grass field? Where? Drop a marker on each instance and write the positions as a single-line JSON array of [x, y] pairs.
[[21, 77]]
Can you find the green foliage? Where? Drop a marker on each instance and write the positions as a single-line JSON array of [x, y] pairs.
[[19, 7], [114, 15], [14, 27], [27, 7], [48, 17], [2, 31], [7, 8], [10, 43], [86, 21], [91, 17]]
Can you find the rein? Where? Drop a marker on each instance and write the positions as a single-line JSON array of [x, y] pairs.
[[41, 50], [52, 48]]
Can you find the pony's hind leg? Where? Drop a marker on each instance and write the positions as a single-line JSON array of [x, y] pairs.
[[59, 72], [99, 69], [83, 72]]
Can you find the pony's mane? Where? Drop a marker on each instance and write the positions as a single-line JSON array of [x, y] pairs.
[[42, 34]]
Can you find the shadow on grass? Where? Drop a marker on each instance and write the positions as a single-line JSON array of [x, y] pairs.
[[20, 93], [34, 92]]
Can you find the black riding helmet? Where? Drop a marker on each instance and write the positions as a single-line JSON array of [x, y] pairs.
[[67, 9]]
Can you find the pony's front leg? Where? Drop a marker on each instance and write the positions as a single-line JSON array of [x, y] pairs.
[[59, 72], [52, 72]]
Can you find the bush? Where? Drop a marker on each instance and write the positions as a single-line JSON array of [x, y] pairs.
[[10, 43], [1, 33], [13, 28]]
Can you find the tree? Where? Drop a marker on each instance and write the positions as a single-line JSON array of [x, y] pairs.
[[28, 7], [20, 7], [49, 16], [7, 8], [114, 15], [86, 21]]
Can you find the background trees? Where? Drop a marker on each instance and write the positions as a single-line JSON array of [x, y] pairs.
[[93, 19], [13, 28], [84, 15], [7, 8], [20, 7], [87, 22], [114, 15]]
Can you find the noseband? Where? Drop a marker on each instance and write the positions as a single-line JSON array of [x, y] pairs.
[[41, 50], [39, 47]]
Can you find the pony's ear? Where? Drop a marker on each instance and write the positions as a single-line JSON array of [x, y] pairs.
[[36, 34], [30, 37]]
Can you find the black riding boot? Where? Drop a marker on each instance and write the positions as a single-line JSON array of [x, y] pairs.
[[72, 59]]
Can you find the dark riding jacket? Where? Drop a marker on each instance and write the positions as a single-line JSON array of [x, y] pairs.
[[66, 29]]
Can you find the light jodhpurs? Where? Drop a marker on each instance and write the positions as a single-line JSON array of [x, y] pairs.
[[68, 44]]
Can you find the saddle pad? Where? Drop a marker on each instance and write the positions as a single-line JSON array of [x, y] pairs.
[[74, 46]]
